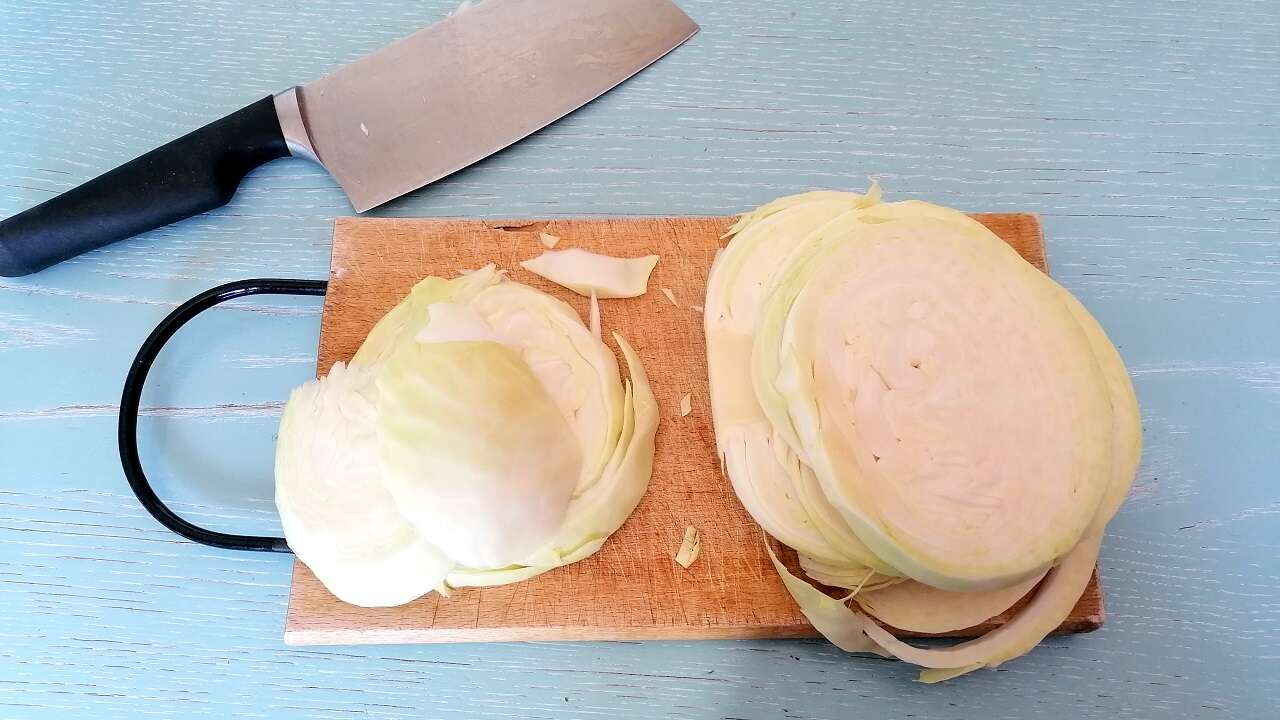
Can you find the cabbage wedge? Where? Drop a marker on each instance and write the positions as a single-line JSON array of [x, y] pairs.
[[481, 435]]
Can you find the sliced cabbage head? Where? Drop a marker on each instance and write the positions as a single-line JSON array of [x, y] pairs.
[[959, 414], [500, 433], [776, 488], [926, 372], [474, 450]]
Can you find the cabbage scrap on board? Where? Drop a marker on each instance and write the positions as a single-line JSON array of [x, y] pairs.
[[934, 425], [481, 435], [588, 273]]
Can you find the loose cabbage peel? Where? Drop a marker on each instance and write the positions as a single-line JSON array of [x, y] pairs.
[[932, 423], [690, 547], [831, 617], [585, 272]]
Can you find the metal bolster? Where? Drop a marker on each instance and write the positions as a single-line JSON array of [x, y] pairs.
[[293, 125]]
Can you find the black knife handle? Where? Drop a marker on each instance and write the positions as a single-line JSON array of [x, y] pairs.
[[197, 172]]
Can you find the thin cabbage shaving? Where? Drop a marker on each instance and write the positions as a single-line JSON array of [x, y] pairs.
[[586, 272]]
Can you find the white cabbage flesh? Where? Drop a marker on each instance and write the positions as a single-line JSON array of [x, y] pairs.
[[598, 508], [774, 486], [575, 368], [925, 373], [474, 450], [1058, 592], [496, 433], [336, 512], [585, 272], [898, 394]]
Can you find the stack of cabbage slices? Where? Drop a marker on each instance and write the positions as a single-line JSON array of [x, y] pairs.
[[933, 424]]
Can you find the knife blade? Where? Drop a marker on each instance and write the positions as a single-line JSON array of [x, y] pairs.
[[388, 123], [498, 72]]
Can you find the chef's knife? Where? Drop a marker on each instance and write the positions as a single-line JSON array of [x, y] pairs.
[[411, 113]]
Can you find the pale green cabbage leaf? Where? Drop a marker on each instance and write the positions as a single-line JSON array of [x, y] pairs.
[[337, 514], [587, 273], [494, 440]]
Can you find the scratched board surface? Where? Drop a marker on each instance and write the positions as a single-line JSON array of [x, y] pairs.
[[1143, 134], [632, 589]]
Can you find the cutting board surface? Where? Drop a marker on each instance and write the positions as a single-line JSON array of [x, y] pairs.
[[631, 589]]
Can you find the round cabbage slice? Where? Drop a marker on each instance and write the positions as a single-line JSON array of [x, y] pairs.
[[1058, 593], [928, 374]]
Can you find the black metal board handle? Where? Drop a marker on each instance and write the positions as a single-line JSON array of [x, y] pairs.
[[130, 401]]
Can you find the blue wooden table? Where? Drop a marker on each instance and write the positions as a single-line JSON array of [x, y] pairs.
[[1144, 133]]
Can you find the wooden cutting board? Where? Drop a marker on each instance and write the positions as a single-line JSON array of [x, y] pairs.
[[632, 589]]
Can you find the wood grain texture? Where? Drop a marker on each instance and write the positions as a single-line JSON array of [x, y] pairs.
[[632, 589], [1144, 134]]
